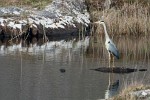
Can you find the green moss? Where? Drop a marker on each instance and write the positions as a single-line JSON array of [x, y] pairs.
[[33, 3], [37, 3]]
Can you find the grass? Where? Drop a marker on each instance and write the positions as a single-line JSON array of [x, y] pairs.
[[32, 3], [131, 48], [128, 23], [131, 17], [125, 94]]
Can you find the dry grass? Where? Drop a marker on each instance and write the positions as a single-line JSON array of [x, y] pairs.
[[130, 48], [33, 3], [132, 21], [127, 19], [125, 94]]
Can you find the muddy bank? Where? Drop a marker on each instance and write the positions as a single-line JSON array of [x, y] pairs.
[[58, 18]]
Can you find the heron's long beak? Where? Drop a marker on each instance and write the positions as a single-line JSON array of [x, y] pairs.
[[97, 22]]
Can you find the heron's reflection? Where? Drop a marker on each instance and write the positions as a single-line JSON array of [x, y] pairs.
[[112, 88]]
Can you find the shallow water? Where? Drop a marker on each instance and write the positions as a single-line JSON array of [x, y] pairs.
[[60, 69]]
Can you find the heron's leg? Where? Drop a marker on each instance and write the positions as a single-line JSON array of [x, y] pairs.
[[109, 58], [109, 79], [113, 62], [112, 78]]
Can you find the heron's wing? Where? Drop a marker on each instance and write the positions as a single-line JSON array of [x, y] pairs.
[[112, 48]]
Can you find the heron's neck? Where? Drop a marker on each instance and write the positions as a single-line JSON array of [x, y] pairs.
[[105, 31]]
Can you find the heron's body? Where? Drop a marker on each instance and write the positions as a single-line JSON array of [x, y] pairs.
[[110, 46]]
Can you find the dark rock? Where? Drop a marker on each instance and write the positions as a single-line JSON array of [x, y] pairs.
[[119, 70], [62, 70]]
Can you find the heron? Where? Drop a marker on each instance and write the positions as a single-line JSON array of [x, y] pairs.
[[109, 44]]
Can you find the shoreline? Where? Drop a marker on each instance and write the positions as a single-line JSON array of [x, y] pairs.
[[53, 20]]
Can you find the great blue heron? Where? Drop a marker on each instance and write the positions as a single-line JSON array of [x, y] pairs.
[[110, 46]]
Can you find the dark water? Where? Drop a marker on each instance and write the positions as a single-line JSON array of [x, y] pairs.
[[60, 70]]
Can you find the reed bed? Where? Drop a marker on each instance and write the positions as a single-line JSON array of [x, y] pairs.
[[127, 19], [128, 23], [130, 48]]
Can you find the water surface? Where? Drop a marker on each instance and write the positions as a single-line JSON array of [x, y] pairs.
[[32, 71]]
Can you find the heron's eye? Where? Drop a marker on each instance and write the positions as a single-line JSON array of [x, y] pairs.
[[108, 41]]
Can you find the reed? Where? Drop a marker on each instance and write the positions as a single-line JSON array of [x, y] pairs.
[[131, 17], [130, 48]]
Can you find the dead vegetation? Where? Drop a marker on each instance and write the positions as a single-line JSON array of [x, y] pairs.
[[123, 17], [126, 93]]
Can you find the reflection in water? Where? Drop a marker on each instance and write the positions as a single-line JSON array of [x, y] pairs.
[[112, 88], [118, 70], [59, 69], [35, 48], [130, 48]]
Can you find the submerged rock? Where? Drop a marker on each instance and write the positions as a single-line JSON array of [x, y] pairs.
[[62, 70], [119, 70]]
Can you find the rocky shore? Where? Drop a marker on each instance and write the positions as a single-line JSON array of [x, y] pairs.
[[58, 18]]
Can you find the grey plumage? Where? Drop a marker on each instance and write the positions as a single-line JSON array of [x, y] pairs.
[[113, 50], [110, 46]]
